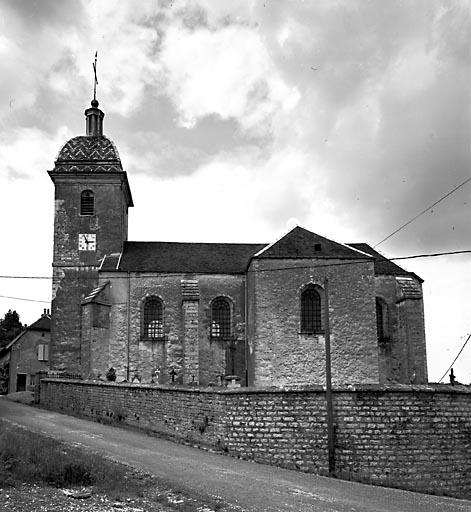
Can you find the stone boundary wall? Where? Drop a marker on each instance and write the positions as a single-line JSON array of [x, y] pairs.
[[412, 437]]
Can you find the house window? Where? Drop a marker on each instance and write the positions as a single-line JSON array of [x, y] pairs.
[[220, 318], [381, 319], [311, 310], [87, 203], [43, 352], [153, 318]]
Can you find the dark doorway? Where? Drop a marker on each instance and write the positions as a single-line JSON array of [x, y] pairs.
[[21, 382]]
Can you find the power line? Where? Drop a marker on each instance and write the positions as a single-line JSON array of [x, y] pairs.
[[21, 298], [422, 212], [429, 255], [454, 360], [350, 262]]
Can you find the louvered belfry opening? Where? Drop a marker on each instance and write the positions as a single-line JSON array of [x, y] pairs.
[[220, 318], [87, 203], [153, 318], [311, 310]]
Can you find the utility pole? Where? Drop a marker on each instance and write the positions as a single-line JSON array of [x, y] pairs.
[[328, 383]]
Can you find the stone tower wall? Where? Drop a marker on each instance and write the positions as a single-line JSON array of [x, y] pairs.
[[75, 273]]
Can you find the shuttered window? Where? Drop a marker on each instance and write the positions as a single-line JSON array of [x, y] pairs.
[[87, 203], [43, 352]]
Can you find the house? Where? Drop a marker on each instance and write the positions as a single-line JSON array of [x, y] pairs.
[[200, 313], [28, 354]]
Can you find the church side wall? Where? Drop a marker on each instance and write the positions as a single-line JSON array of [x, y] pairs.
[[281, 354], [157, 359], [413, 437]]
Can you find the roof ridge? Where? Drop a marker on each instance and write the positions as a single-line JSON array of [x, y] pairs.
[[190, 243]]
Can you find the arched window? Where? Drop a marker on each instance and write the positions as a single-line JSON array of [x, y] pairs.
[[87, 203], [311, 310], [220, 318], [153, 326], [381, 319]]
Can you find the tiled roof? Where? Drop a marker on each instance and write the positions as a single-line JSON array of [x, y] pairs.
[[382, 264], [301, 243], [177, 257], [42, 324], [90, 154]]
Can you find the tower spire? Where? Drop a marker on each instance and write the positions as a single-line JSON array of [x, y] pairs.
[[94, 116]]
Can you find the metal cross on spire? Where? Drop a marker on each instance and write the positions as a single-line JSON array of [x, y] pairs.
[[95, 83]]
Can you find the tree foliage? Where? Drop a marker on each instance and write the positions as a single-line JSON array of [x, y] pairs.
[[10, 327]]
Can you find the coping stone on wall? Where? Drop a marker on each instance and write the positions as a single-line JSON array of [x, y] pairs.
[[373, 388]]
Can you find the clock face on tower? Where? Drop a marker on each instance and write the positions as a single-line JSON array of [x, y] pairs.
[[87, 242]]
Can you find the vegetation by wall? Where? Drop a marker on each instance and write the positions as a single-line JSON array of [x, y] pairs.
[[412, 437]]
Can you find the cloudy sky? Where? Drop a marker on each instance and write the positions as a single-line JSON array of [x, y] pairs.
[[236, 120]]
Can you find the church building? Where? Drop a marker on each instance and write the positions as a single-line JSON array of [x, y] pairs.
[[207, 313]]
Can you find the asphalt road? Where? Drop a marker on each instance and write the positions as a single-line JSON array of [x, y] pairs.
[[246, 486]]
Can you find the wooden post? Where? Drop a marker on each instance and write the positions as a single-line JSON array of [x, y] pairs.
[[328, 383]]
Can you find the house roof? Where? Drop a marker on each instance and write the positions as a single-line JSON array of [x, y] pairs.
[[42, 324], [178, 257], [382, 265], [301, 243]]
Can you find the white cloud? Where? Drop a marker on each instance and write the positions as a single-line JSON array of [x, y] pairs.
[[413, 69], [126, 48], [26, 210], [238, 198], [227, 72]]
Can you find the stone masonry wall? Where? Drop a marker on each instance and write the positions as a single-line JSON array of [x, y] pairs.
[[75, 272], [185, 324], [402, 355], [280, 354], [417, 438]]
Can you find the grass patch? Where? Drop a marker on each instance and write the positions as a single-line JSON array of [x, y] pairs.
[[33, 458]]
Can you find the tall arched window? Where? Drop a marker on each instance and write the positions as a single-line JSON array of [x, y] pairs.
[[311, 310], [87, 203], [381, 319], [220, 318], [153, 326]]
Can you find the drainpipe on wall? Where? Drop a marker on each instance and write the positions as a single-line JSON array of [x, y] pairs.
[[328, 384]]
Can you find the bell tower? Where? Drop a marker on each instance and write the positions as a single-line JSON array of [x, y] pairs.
[[92, 197]]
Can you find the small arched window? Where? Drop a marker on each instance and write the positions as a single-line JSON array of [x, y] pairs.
[[381, 319], [87, 203], [220, 318], [153, 326], [311, 310]]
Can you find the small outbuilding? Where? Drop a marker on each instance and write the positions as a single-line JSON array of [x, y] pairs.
[[28, 354]]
